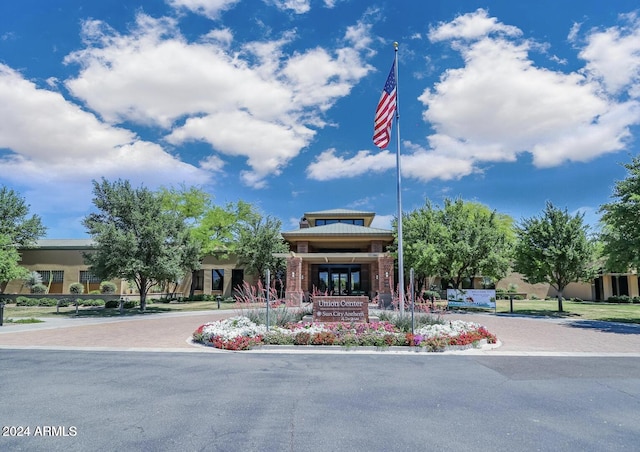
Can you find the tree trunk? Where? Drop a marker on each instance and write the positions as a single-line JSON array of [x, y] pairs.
[[192, 288], [142, 289], [560, 302]]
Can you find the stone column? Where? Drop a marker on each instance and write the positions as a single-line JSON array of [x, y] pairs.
[[385, 281], [293, 292]]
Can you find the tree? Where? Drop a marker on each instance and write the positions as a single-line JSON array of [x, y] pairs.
[[213, 229], [15, 223], [258, 239], [136, 239], [621, 229], [9, 263], [17, 230], [555, 249], [460, 240]]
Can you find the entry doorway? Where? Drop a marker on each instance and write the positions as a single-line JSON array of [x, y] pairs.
[[340, 279]]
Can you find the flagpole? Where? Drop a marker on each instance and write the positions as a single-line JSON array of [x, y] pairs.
[[399, 189]]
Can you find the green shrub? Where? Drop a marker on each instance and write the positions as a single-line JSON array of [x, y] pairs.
[[38, 289], [94, 292], [620, 299], [26, 301], [112, 304], [107, 287], [76, 288], [533, 297], [92, 302], [63, 302], [130, 304], [47, 302], [278, 338]]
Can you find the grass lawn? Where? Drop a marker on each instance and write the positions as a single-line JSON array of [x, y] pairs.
[[627, 313], [11, 311]]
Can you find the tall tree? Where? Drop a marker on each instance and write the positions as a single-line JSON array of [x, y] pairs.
[[460, 240], [214, 229], [15, 223], [136, 239], [258, 239], [621, 231], [18, 229], [9, 263], [554, 248]]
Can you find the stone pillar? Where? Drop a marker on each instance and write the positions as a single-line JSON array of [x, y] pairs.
[[385, 281], [293, 292]]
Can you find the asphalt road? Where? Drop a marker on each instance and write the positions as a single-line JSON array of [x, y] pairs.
[[162, 401]]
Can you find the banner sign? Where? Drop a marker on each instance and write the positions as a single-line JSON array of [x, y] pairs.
[[471, 298]]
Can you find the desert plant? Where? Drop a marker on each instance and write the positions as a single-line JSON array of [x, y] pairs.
[[34, 278]]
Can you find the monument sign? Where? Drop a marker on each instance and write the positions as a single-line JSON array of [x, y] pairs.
[[341, 309]]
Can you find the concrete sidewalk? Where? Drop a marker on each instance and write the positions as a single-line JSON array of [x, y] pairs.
[[172, 331]]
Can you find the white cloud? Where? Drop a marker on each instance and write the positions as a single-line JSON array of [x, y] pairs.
[[297, 6], [416, 162], [613, 56], [208, 8], [471, 26], [383, 221], [212, 163], [55, 147], [499, 104], [328, 165], [257, 102]]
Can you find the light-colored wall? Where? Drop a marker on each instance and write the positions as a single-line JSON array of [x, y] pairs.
[[71, 261]]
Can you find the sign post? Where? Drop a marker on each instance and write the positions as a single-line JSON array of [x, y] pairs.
[[268, 283]]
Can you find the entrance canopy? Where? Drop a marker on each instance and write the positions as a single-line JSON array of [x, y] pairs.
[[334, 258]]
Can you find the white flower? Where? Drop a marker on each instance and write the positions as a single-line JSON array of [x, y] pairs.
[[231, 328], [453, 328]]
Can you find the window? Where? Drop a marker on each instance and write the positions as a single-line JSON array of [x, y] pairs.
[[53, 279], [326, 221], [90, 280], [237, 278], [198, 280], [217, 279], [88, 277], [53, 276]]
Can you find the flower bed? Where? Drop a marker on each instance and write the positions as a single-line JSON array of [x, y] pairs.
[[240, 333]]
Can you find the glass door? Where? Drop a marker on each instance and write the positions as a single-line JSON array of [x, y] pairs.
[[340, 283]]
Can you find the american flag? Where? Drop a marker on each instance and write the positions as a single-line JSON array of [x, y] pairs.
[[385, 111]]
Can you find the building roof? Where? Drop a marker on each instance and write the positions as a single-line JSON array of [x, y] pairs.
[[341, 212], [64, 243], [338, 229]]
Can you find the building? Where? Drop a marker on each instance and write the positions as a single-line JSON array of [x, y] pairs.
[[333, 252], [337, 252], [61, 263]]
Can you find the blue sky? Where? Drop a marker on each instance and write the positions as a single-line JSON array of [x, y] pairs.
[[510, 104]]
